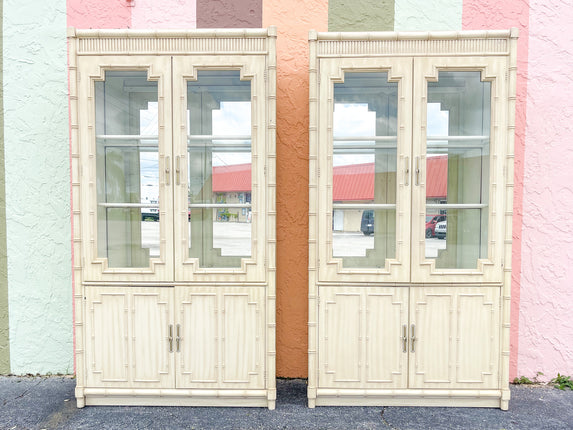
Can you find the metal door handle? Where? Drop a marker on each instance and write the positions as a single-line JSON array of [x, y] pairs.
[[170, 338], [404, 338], [407, 171], [167, 170], [177, 170], [178, 338], [413, 336], [417, 171]]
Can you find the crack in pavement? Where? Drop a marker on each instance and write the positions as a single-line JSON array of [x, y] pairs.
[[384, 418]]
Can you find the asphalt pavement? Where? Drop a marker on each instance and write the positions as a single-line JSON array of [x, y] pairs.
[[49, 403]]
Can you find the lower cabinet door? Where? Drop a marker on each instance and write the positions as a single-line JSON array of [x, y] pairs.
[[126, 342], [361, 341], [220, 335], [456, 337]]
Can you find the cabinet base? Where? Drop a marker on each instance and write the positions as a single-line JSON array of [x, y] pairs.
[[441, 398], [174, 397]]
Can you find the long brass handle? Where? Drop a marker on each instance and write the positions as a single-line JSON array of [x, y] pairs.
[[178, 338], [417, 171], [177, 170], [407, 171], [167, 170], [170, 338], [404, 338], [413, 336]]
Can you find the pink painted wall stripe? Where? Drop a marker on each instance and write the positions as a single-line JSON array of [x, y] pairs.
[[493, 14], [164, 14], [546, 324], [99, 13]]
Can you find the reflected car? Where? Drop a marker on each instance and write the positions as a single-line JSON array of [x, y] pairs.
[[367, 223], [431, 222], [440, 229], [149, 214]]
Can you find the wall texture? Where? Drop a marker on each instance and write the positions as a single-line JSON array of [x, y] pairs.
[[229, 13], [37, 186], [153, 14], [428, 15], [37, 224], [360, 15], [99, 14], [4, 320], [484, 14], [545, 323], [294, 19]]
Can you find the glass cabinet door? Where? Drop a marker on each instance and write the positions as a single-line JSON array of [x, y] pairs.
[[455, 170], [216, 212], [364, 231], [128, 162]]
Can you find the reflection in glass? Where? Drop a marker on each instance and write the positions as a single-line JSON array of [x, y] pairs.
[[364, 169], [127, 169], [457, 169], [219, 166]]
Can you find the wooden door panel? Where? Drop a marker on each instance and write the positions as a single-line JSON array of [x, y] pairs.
[[456, 337], [360, 337], [386, 318], [222, 337], [127, 343], [242, 359]]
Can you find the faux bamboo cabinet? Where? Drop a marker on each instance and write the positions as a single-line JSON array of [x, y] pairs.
[[411, 187], [173, 170]]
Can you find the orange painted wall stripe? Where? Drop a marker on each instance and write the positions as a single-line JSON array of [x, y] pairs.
[[294, 19]]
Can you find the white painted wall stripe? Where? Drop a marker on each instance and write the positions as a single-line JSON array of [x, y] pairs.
[[428, 15]]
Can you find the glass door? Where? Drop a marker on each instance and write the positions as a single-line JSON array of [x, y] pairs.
[[129, 195], [217, 183], [364, 230], [457, 159]]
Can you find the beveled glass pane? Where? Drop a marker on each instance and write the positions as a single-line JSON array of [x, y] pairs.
[[219, 168], [457, 169], [127, 169], [364, 169]]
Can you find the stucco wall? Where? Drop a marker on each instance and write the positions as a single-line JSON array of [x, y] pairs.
[[428, 15], [546, 324], [37, 161], [37, 186], [360, 15], [487, 14], [293, 19]]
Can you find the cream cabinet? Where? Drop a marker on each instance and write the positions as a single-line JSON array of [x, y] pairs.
[[173, 182], [411, 182], [399, 338]]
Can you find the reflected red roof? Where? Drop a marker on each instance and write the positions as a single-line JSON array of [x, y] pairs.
[[356, 181], [232, 178], [351, 182], [437, 176]]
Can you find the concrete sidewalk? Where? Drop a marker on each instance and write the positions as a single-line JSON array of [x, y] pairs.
[[48, 403]]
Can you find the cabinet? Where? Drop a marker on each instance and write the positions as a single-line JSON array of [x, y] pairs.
[[400, 337], [173, 182], [411, 181]]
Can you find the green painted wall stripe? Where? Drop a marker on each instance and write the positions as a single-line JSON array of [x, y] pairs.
[[37, 180], [4, 328], [360, 15], [428, 15]]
